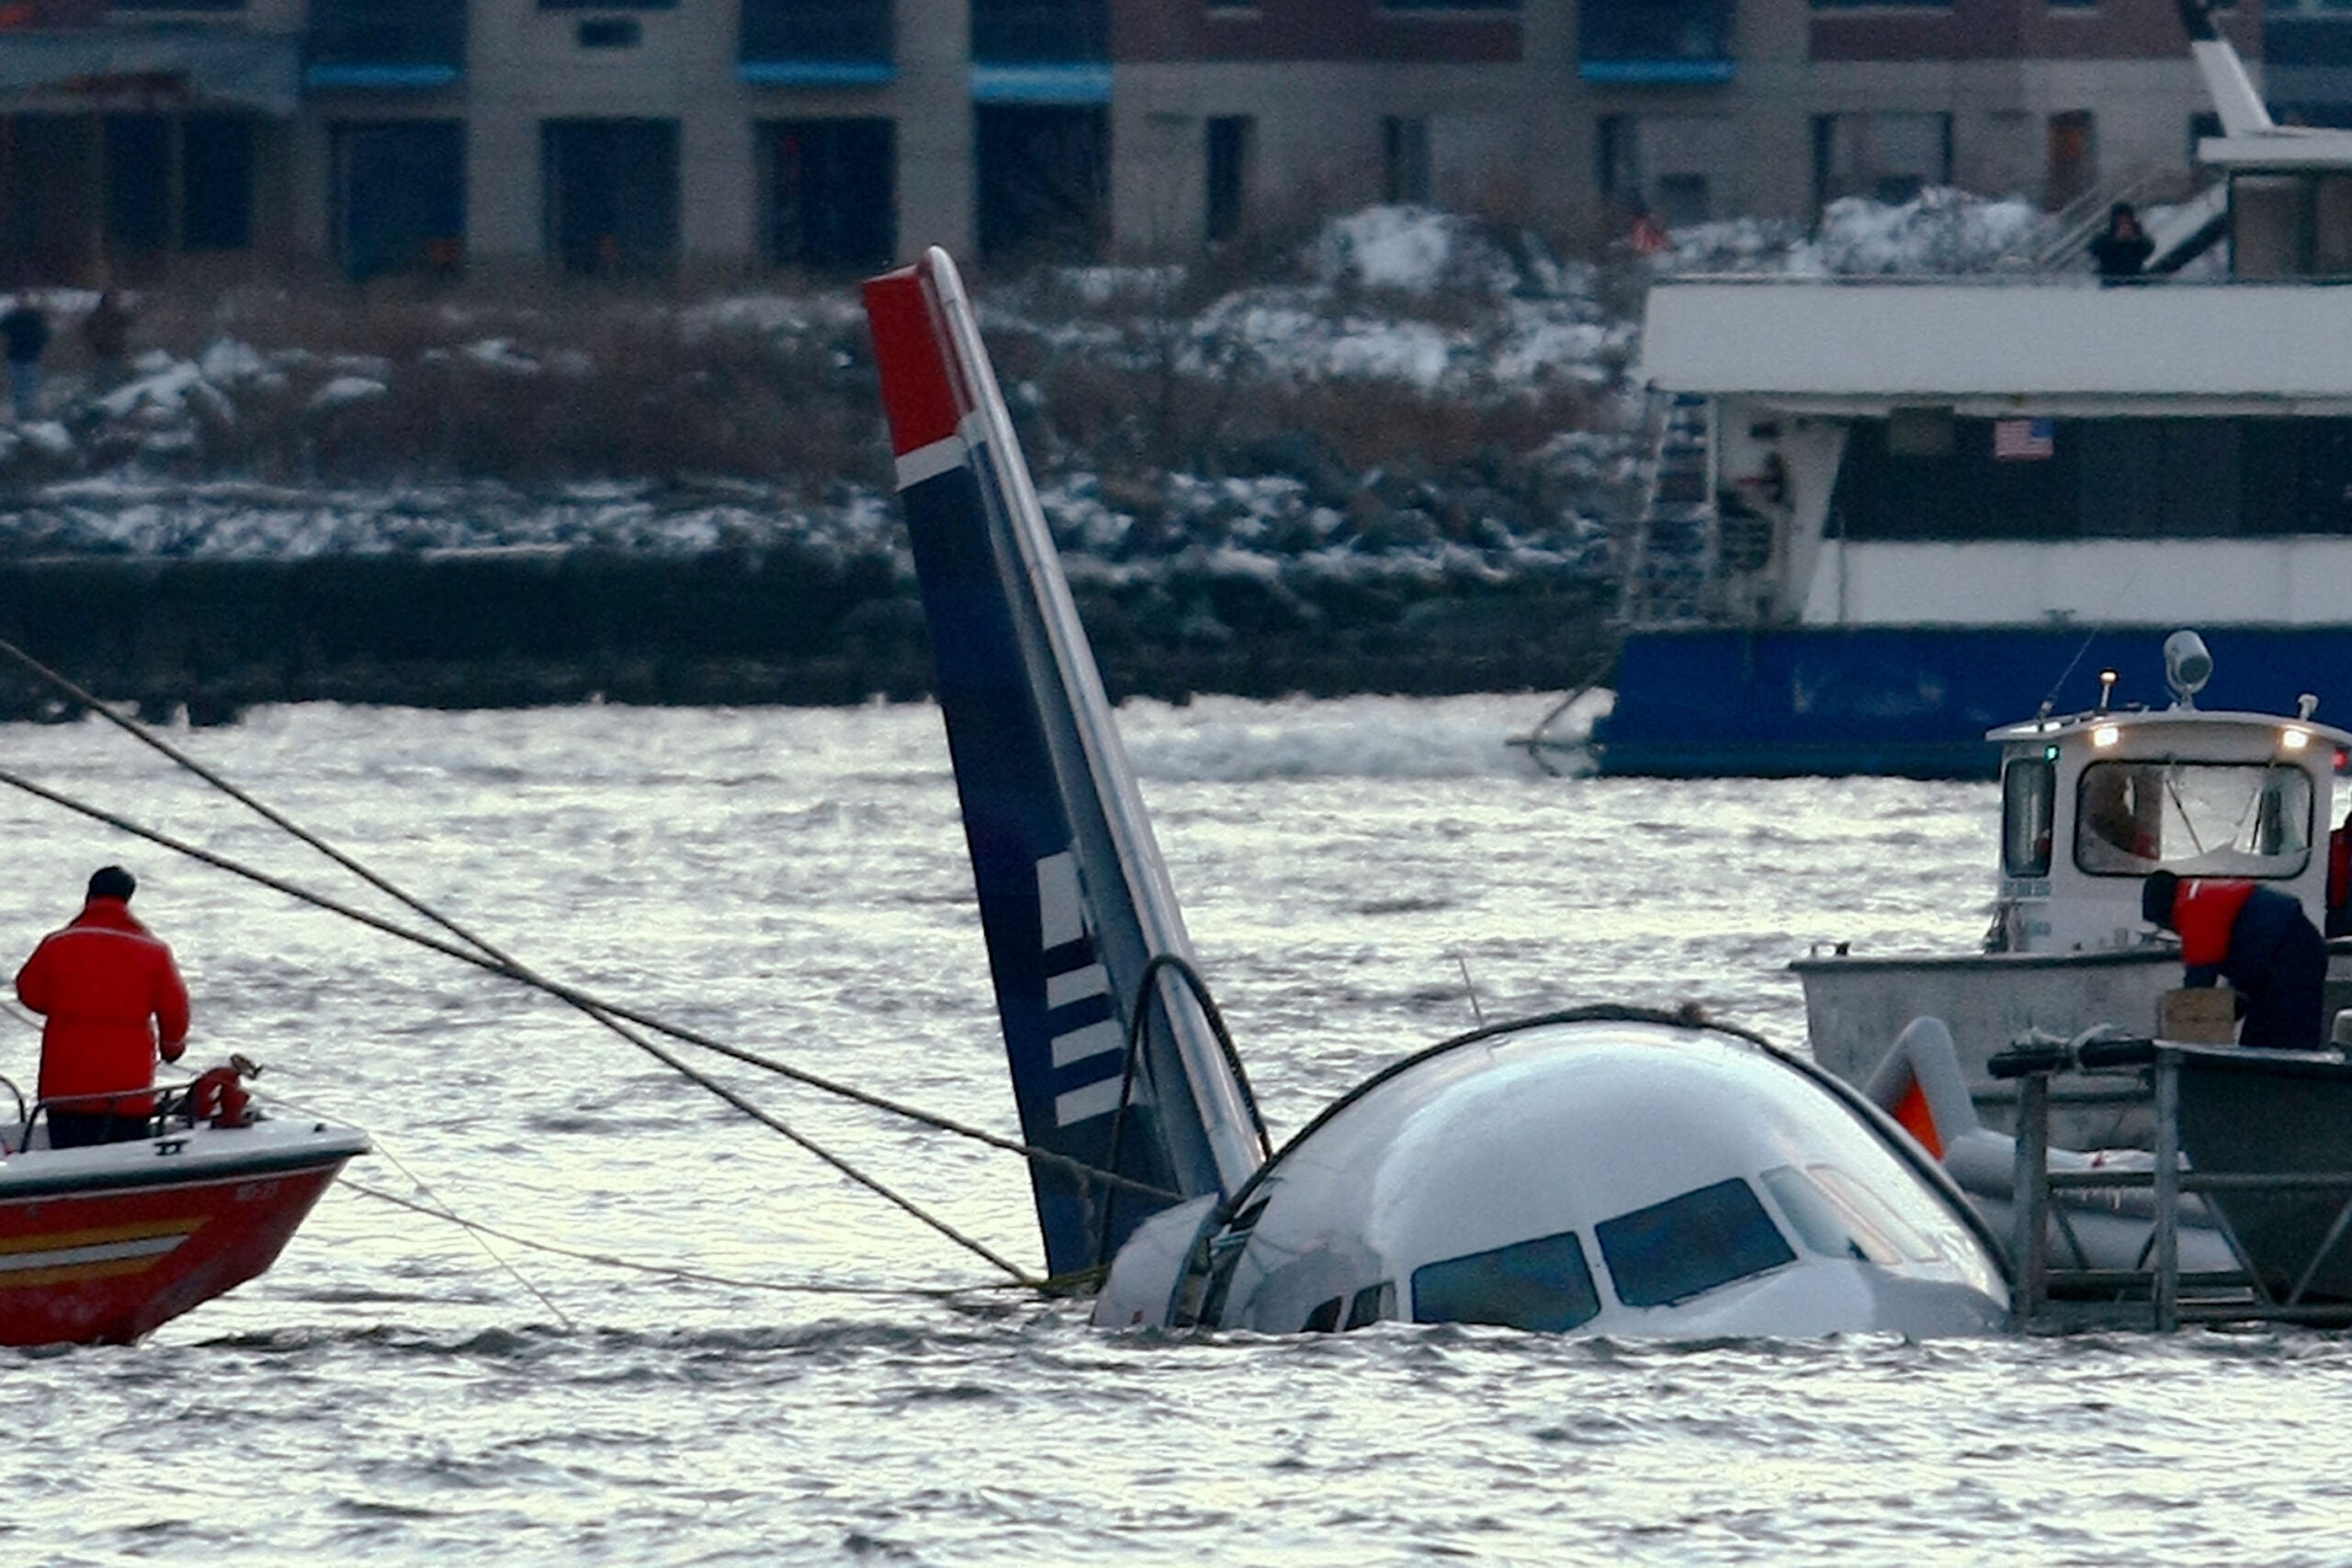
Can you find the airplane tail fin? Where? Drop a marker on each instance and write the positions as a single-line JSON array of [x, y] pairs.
[[1919, 1083], [1081, 925]]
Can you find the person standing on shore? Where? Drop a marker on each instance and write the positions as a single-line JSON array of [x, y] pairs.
[[106, 334], [24, 333]]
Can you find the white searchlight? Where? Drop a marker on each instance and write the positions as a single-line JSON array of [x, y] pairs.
[[2187, 666]]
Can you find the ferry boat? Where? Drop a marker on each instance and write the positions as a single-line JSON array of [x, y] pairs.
[[1888, 514], [2091, 803], [104, 1243]]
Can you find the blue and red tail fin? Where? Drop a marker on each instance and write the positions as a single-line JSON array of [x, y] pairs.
[[1074, 899]]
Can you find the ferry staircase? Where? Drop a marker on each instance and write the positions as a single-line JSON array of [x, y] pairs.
[[1678, 535]]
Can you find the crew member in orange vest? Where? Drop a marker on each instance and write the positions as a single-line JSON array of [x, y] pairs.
[[113, 999], [2256, 938]]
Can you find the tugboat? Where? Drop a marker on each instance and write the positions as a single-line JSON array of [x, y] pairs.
[[2091, 803], [99, 1244]]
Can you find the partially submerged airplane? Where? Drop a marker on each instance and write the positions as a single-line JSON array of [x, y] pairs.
[[1605, 1170]]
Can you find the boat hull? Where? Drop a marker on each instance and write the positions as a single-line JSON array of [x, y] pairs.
[[1855, 1008], [1911, 701], [101, 1246], [2271, 1113]]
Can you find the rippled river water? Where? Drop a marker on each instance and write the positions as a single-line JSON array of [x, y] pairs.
[[794, 882]]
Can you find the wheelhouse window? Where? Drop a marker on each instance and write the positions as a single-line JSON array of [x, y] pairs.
[[1545, 1285], [2195, 818], [1685, 1246], [2029, 795]]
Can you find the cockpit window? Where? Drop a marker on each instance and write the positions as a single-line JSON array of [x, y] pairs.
[[1686, 1246], [1544, 1285], [2196, 819], [1825, 1224], [1870, 1211]]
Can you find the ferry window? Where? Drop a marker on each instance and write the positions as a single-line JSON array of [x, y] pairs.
[[2029, 795], [1687, 1246], [1544, 1284], [1822, 1223], [1324, 1319], [2196, 819]]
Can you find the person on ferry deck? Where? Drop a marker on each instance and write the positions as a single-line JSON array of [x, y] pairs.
[[2122, 248], [2256, 938], [114, 999]]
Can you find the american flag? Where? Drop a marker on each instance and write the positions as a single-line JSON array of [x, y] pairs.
[[2024, 440]]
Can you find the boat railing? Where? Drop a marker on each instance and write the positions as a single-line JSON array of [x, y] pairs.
[[173, 1105], [2159, 1294]]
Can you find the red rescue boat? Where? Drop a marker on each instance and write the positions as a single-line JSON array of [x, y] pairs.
[[101, 1244]]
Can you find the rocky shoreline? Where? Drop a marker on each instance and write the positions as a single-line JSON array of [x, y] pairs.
[[510, 628]]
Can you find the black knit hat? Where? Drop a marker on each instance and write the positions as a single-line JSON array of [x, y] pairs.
[[2157, 895], [112, 882]]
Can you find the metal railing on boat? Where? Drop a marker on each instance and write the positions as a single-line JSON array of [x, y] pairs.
[[2160, 1296]]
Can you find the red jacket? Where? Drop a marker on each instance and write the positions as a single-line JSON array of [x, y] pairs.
[[112, 997]]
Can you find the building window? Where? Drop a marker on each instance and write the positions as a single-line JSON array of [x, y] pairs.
[[1405, 158], [830, 193], [398, 195], [608, 5], [216, 182], [381, 43], [1229, 139], [783, 31], [1888, 157], [1043, 178], [148, 6], [1040, 31], [1656, 40], [612, 195]]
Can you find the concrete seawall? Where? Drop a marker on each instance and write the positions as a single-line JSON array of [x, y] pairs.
[[517, 628]]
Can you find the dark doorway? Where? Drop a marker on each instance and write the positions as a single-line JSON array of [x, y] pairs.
[[1230, 136], [216, 182], [138, 185], [1044, 180], [400, 195], [2074, 157], [831, 193], [612, 195], [51, 182], [1405, 158]]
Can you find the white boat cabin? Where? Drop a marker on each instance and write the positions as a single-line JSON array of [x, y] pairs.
[[2091, 803]]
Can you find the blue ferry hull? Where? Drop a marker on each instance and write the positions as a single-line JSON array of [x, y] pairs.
[[1915, 700]]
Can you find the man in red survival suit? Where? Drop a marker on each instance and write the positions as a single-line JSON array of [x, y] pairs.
[[113, 997], [2256, 938]]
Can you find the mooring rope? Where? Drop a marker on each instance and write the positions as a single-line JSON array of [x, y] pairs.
[[572, 994], [674, 1271], [508, 964]]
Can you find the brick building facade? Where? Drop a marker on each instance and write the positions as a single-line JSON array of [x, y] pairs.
[[649, 136]]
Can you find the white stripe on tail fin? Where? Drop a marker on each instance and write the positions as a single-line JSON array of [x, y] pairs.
[[1074, 899]]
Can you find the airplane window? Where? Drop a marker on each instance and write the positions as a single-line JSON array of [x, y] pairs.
[[1373, 1303], [1544, 1285], [1869, 1209], [1324, 1319], [1824, 1225], [1686, 1246]]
